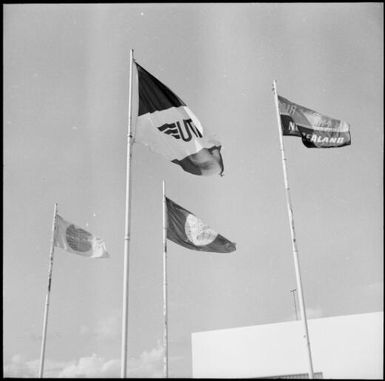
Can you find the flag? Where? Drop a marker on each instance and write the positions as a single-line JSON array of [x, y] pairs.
[[189, 231], [78, 241], [315, 129], [167, 126]]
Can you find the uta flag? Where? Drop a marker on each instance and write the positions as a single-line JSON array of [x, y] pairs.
[[185, 229], [77, 240], [167, 126], [315, 129]]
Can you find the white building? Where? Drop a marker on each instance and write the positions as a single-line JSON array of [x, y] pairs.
[[349, 347]]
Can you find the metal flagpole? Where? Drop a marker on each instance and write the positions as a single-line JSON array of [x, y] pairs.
[[293, 238], [127, 227], [165, 311], [46, 308]]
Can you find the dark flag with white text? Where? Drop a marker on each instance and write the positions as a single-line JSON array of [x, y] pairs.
[[189, 231], [315, 129], [167, 126]]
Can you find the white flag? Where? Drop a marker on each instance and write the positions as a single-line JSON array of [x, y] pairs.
[[167, 126], [78, 241]]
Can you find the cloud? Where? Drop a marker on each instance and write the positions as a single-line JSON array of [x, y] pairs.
[[18, 367], [21, 368], [91, 367], [148, 365]]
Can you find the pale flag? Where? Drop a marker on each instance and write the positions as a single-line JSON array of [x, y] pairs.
[[78, 241], [164, 123]]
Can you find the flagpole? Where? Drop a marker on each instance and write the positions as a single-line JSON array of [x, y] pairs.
[[127, 227], [165, 310], [293, 237], [46, 308]]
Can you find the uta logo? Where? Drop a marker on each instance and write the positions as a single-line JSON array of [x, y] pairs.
[[178, 132]]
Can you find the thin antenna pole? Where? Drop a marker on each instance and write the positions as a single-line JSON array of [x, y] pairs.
[[293, 291], [46, 308], [293, 237], [127, 227], [165, 310]]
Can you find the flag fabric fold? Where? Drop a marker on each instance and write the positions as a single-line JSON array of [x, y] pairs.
[[315, 129], [185, 229], [77, 240], [167, 126]]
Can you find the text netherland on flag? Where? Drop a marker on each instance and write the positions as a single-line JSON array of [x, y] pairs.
[[167, 126], [189, 231], [77, 240], [315, 129]]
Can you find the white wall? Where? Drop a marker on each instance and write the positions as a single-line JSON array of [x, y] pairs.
[[349, 346]]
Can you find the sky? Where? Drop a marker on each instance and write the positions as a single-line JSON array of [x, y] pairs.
[[64, 128]]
